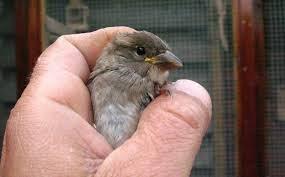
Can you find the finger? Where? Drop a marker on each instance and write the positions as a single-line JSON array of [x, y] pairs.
[[168, 136], [73, 52], [91, 44], [62, 70]]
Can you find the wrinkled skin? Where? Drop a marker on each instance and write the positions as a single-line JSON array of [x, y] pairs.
[[49, 131]]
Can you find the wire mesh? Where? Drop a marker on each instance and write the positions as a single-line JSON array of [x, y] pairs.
[[274, 21], [200, 33]]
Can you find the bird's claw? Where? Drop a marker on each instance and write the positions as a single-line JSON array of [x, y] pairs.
[[164, 89]]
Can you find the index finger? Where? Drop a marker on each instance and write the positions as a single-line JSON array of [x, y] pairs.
[[64, 67], [77, 53], [91, 44]]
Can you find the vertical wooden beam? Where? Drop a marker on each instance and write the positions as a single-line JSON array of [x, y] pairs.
[[29, 41], [21, 48], [35, 31], [250, 72]]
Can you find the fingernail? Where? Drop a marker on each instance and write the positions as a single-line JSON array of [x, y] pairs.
[[193, 89]]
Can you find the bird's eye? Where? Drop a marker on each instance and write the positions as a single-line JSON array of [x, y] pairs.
[[140, 50]]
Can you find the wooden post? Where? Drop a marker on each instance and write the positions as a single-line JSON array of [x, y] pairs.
[[250, 72], [29, 38]]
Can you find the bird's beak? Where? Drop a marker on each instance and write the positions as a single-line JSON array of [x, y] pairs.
[[167, 59]]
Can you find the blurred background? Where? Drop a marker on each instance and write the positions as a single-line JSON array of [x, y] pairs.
[[234, 48]]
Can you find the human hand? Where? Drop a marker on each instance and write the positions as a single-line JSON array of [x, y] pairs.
[[50, 133]]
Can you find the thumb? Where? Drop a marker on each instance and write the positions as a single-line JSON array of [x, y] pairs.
[[168, 136]]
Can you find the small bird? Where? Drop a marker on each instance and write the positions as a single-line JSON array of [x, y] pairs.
[[128, 75]]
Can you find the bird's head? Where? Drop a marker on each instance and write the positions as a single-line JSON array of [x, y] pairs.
[[145, 48], [144, 52]]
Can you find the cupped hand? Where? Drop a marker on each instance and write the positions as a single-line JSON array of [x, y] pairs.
[[50, 132]]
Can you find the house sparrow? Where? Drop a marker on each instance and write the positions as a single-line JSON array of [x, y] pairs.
[[128, 75]]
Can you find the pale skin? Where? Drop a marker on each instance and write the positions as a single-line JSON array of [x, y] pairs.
[[50, 133]]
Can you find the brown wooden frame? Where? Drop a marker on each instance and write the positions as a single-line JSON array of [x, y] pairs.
[[29, 38], [250, 70]]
